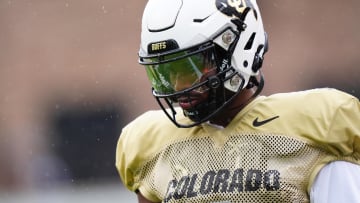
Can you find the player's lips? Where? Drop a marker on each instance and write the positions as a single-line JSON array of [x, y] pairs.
[[187, 102], [191, 99]]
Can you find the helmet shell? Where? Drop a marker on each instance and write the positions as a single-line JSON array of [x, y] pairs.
[[190, 23]]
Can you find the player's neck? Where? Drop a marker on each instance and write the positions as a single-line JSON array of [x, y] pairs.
[[224, 117]]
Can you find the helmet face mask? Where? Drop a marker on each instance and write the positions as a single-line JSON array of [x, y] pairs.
[[203, 69], [190, 79], [198, 106]]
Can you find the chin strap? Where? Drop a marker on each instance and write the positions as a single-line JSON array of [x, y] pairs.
[[259, 84]]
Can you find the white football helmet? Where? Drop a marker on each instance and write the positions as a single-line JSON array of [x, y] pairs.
[[199, 54]]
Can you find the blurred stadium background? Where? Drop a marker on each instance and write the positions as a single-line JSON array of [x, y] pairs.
[[69, 81]]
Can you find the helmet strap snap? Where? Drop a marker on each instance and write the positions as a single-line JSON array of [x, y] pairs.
[[214, 82]]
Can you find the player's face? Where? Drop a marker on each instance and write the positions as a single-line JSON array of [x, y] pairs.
[[196, 95]]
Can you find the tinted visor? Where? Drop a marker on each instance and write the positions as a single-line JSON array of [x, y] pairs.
[[178, 71]]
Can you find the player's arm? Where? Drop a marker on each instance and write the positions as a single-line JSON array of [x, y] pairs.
[[142, 199], [338, 181]]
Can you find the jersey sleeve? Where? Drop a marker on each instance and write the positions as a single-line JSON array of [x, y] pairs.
[[123, 160], [344, 131], [342, 140], [139, 141], [129, 157]]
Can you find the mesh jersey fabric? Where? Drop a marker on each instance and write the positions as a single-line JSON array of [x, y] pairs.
[[270, 152]]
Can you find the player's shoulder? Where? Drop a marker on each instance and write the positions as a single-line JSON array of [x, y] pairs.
[[312, 97], [153, 129], [311, 107], [146, 136], [149, 123], [315, 116]]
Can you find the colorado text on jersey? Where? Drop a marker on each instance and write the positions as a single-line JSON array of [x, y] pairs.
[[223, 181]]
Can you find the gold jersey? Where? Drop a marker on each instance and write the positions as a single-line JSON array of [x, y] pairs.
[[270, 152]]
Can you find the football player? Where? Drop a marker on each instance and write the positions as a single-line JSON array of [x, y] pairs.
[[216, 138]]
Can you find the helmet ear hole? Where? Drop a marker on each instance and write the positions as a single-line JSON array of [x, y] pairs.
[[258, 59], [250, 42], [257, 63]]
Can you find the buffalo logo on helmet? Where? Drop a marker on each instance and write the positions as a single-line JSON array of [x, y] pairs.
[[237, 8]]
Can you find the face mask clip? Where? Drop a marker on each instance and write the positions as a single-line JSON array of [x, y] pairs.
[[214, 82]]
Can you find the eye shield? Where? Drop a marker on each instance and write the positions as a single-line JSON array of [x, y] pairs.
[[177, 71]]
